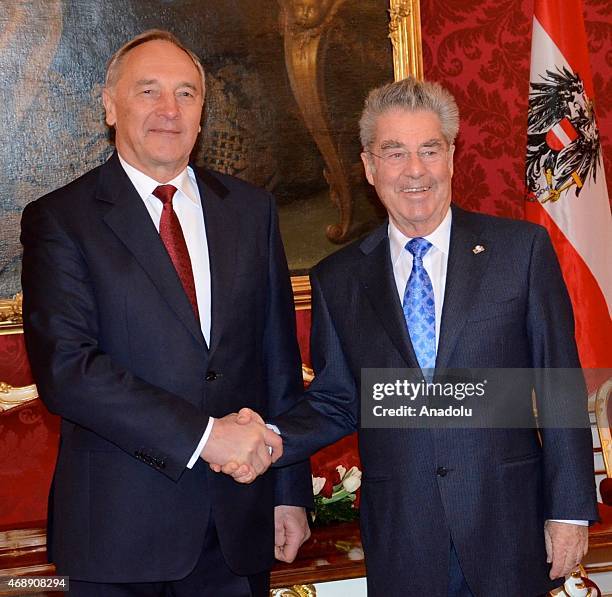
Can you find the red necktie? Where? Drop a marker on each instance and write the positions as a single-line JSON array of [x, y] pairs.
[[171, 234]]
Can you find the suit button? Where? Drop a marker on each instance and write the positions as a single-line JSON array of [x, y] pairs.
[[442, 471], [211, 376]]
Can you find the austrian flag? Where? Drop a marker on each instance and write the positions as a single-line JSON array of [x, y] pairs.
[[566, 185]]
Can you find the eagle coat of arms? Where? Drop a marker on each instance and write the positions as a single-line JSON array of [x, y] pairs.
[[563, 146]]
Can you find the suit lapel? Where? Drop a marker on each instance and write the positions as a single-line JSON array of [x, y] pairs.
[[130, 221], [223, 240], [378, 283], [463, 275]]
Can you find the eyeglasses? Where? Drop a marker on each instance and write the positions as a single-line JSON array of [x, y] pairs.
[[399, 157]]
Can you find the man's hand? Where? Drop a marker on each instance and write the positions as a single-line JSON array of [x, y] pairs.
[[245, 450], [242, 473], [290, 531], [566, 545]]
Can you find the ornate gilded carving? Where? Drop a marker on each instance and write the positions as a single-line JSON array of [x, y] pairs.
[[305, 25], [11, 311], [11, 397], [295, 591], [602, 397], [405, 34], [307, 21]]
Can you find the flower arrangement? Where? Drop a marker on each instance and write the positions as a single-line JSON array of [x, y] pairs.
[[337, 502], [336, 482]]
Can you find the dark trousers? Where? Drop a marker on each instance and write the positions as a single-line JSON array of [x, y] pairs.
[[457, 585], [211, 577]]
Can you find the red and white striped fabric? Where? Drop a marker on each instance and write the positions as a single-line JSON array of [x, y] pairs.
[[565, 175], [561, 134]]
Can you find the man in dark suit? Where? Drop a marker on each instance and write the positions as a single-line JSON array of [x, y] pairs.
[[455, 511], [156, 303]]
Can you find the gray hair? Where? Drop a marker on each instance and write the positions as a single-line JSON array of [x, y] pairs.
[[412, 95], [112, 68]]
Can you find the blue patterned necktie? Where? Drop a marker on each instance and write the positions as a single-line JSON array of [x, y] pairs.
[[419, 306]]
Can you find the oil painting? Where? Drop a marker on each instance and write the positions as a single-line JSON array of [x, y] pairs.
[[286, 81]]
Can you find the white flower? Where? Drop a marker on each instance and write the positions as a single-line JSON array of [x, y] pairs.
[[317, 484], [341, 471], [351, 480]]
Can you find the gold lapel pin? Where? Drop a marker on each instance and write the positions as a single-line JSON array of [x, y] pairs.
[[478, 249]]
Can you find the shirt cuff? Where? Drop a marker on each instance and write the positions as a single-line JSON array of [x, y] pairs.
[[274, 428], [582, 523], [198, 450]]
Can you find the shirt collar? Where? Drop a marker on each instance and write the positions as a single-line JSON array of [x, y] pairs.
[[145, 185], [439, 238]]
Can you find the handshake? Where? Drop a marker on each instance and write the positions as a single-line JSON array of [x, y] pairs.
[[240, 445]]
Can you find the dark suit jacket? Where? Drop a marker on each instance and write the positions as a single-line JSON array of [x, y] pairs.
[[117, 352], [489, 489]]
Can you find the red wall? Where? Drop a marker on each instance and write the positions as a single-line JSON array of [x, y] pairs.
[[480, 50]]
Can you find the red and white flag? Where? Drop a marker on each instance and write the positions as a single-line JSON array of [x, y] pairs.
[[565, 177]]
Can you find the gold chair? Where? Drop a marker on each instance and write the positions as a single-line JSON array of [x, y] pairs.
[[600, 534]]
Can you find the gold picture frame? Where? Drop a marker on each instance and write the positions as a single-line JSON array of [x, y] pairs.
[[405, 36], [11, 315]]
